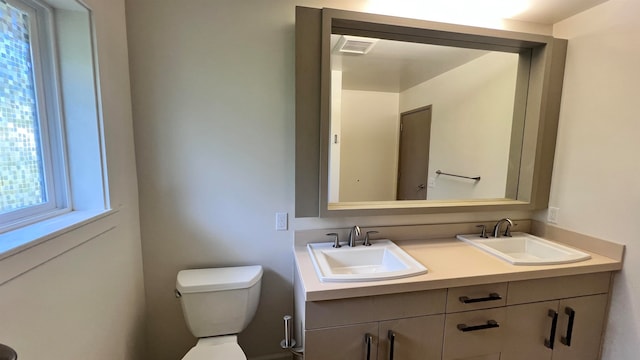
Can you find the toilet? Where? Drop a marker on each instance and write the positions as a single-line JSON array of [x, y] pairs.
[[217, 305]]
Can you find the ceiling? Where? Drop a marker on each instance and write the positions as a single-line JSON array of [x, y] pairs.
[[393, 66], [551, 11]]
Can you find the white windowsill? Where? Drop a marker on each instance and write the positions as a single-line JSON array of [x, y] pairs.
[[23, 249]]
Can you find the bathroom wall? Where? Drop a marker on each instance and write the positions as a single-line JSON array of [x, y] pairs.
[[336, 126], [369, 150], [470, 132], [596, 169], [470, 126], [213, 95], [88, 303]]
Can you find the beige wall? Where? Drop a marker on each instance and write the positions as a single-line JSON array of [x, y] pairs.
[[88, 303], [212, 85], [213, 95], [472, 112], [336, 131], [596, 170], [369, 149]]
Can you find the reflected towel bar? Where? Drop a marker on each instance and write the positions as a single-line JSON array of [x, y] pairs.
[[477, 178]]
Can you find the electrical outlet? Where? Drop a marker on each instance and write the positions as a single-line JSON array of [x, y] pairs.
[[282, 219], [552, 215]]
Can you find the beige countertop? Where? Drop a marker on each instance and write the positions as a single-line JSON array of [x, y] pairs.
[[451, 263]]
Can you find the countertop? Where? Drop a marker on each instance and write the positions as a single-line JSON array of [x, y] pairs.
[[451, 263]]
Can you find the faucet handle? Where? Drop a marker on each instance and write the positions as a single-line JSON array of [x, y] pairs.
[[366, 237], [483, 231], [336, 242]]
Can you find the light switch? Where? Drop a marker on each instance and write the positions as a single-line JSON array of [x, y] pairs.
[[282, 219], [552, 215]]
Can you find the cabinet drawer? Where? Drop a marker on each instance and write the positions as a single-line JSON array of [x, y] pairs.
[[320, 314], [527, 291], [476, 297], [473, 333]]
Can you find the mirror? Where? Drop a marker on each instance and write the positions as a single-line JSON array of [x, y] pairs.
[[488, 146], [414, 121]]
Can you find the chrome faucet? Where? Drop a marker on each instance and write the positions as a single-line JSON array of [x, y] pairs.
[[353, 235], [507, 231]]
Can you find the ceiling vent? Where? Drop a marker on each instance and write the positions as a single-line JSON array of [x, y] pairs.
[[355, 44]]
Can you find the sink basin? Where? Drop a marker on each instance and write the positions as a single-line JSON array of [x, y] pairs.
[[526, 249], [382, 260]]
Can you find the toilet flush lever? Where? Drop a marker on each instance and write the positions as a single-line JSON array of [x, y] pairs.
[[177, 293]]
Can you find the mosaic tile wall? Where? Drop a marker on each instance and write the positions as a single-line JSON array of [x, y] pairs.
[[21, 174]]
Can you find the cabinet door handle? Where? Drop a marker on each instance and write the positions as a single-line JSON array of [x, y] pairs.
[[491, 297], [572, 315], [552, 335], [392, 341], [489, 325], [367, 340], [7, 353]]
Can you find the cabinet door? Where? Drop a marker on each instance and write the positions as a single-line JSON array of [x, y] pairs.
[[342, 343], [528, 331], [418, 338], [580, 339], [484, 357]]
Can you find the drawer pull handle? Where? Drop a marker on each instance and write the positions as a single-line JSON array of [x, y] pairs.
[[554, 323], [7, 353], [489, 325], [367, 340], [572, 315], [392, 342], [491, 297]]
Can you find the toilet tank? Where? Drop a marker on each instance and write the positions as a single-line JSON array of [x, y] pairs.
[[219, 301]]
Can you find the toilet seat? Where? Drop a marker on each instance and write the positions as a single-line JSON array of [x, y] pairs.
[[216, 348]]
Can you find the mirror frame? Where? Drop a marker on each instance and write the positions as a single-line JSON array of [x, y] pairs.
[[542, 92]]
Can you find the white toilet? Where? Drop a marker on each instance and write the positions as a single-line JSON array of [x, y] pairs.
[[218, 304]]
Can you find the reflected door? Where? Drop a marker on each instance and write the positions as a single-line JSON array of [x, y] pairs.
[[413, 162]]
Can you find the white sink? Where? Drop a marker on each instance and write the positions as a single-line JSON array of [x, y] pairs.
[[382, 260], [526, 249]]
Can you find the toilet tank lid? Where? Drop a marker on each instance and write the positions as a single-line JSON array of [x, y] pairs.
[[228, 278]]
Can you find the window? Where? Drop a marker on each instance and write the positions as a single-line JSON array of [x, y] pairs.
[[53, 176], [32, 181]]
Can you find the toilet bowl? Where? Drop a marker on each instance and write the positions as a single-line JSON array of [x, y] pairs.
[[216, 348], [217, 304]]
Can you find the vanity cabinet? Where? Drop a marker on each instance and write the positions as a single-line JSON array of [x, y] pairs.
[[544, 319], [567, 327], [406, 326], [411, 339], [474, 322], [418, 338], [342, 342], [558, 318]]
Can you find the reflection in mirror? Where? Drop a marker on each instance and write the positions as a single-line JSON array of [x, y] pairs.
[[402, 111]]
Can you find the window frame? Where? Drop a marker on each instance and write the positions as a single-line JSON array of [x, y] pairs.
[[46, 82]]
